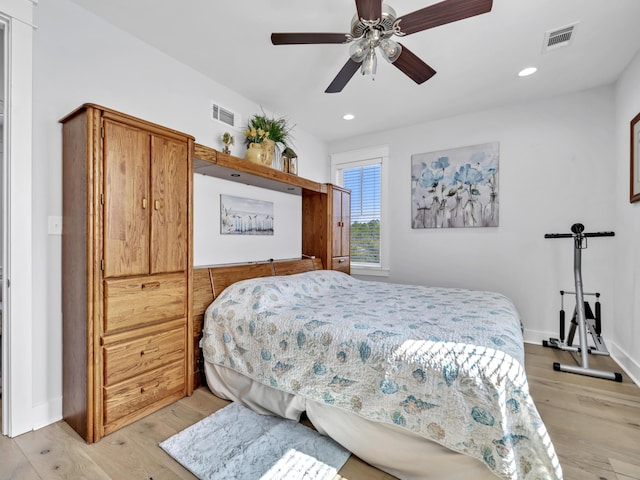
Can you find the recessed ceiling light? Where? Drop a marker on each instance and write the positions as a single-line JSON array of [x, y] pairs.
[[348, 116], [527, 71]]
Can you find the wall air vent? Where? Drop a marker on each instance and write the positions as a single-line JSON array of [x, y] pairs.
[[224, 115], [559, 37]]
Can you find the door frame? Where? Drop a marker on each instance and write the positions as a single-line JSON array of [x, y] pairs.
[[17, 253]]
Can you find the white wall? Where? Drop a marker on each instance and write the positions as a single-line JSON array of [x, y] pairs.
[[627, 262], [79, 58], [211, 248], [556, 169]]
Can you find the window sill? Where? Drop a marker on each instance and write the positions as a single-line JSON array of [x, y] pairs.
[[369, 271]]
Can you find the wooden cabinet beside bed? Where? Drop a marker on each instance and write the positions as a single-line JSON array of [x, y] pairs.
[[326, 226], [127, 269], [325, 207]]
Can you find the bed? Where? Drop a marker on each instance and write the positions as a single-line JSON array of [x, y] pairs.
[[420, 382]]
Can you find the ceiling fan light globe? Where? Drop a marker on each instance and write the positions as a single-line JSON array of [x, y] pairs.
[[359, 50], [390, 50], [370, 64]]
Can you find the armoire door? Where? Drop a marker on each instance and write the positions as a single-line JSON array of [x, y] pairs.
[[345, 230], [126, 152], [341, 227], [169, 228]]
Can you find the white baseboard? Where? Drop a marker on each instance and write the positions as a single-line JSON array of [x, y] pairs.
[[536, 336], [627, 363], [630, 366]]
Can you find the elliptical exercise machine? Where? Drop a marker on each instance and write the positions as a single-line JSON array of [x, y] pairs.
[[583, 317]]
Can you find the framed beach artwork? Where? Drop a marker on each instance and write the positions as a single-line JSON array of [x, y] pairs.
[[245, 216], [634, 175], [456, 188]]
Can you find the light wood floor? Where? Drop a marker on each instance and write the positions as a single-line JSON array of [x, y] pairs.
[[594, 425]]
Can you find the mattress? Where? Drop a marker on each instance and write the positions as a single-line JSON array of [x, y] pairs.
[[443, 365]]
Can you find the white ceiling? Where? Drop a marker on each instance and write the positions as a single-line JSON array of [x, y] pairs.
[[477, 59]]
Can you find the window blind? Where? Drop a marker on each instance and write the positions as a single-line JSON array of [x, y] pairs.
[[364, 183]]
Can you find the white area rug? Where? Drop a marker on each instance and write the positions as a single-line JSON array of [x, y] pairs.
[[237, 443]]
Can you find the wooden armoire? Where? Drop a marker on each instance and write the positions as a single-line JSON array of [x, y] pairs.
[[326, 226], [126, 269]]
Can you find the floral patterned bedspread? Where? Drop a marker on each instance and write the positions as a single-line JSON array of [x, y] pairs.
[[447, 364]]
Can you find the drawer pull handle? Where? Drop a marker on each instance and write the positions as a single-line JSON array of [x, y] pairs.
[[150, 285], [157, 204], [149, 387], [148, 351], [341, 260], [144, 203]]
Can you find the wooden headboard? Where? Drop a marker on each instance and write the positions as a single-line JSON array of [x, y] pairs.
[[209, 282]]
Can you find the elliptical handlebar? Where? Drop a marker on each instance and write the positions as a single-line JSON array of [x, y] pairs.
[[558, 235], [569, 235], [577, 229], [599, 234]]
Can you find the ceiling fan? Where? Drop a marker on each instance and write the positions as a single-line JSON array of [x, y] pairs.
[[373, 26]]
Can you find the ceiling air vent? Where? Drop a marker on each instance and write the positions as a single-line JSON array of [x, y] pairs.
[[223, 115], [559, 37]]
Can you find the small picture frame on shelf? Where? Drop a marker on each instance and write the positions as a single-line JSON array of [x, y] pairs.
[[293, 165]]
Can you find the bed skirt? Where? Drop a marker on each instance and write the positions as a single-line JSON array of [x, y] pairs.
[[387, 447]]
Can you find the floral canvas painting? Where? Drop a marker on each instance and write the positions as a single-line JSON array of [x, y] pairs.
[[244, 216], [456, 188]]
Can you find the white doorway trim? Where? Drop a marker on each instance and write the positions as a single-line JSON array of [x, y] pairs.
[[17, 284]]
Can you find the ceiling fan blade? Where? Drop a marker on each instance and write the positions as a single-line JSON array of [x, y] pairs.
[[308, 38], [442, 13], [413, 67], [343, 77], [369, 9]]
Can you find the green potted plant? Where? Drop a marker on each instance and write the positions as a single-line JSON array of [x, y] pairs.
[[271, 132], [277, 129]]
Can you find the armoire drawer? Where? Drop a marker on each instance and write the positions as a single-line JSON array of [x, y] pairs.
[[341, 264], [136, 301], [130, 358], [127, 401]]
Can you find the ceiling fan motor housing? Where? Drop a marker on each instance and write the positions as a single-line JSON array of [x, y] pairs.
[[359, 26]]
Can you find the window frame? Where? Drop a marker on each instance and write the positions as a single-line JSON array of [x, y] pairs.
[[360, 158]]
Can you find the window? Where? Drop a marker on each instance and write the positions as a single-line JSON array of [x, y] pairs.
[[363, 172], [364, 183]]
